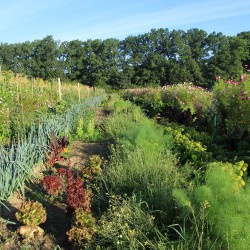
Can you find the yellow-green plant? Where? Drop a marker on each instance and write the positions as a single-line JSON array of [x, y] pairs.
[[188, 149], [226, 197], [95, 163], [31, 213], [83, 228]]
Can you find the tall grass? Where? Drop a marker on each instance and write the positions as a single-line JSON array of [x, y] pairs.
[[141, 162]]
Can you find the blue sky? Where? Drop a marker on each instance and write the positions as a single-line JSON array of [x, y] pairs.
[[66, 20]]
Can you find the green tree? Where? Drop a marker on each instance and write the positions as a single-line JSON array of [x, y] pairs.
[[246, 36], [7, 56], [45, 58], [226, 56]]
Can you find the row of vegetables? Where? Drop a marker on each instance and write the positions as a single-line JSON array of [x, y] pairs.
[[17, 160]]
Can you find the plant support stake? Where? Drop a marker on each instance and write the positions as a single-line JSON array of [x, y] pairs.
[[59, 89]]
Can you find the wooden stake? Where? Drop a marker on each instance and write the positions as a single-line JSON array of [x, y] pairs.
[[59, 89], [17, 89], [32, 87], [79, 94]]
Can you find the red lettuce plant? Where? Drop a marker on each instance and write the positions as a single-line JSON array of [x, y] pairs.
[[62, 172], [76, 195], [52, 184], [56, 147]]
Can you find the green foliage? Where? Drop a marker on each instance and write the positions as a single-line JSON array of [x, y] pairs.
[[182, 103], [86, 129], [141, 163], [31, 213], [146, 137], [232, 105], [83, 228], [155, 58], [93, 168], [151, 177], [124, 116], [224, 198], [128, 224], [187, 149], [95, 163], [18, 160]]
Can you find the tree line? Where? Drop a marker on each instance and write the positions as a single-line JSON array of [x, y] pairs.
[[156, 58]]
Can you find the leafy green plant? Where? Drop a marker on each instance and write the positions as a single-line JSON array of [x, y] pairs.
[[93, 168], [31, 213], [225, 197], [122, 120], [188, 149], [83, 228]]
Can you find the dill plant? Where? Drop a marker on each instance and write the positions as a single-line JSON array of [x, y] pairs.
[[141, 163], [124, 116], [225, 224]]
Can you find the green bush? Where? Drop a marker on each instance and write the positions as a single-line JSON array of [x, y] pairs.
[[86, 128], [232, 105], [188, 149], [147, 137], [224, 200], [173, 102]]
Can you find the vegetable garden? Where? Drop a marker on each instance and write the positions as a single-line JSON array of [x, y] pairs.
[[175, 175]]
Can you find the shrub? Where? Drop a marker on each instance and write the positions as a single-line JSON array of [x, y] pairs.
[[174, 102], [122, 118], [147, 137], [188, 149], [31, 213], [231, 101], [129, 172], [227, 202]]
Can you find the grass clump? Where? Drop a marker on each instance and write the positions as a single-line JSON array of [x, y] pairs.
[[128, 224], [141, 163]]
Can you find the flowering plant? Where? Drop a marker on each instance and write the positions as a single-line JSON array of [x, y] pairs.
[[231, 101]]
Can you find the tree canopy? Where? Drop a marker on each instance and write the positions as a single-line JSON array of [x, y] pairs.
[[156, 58]]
